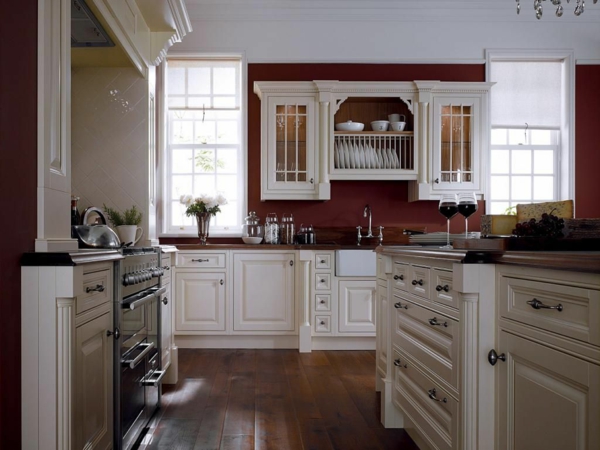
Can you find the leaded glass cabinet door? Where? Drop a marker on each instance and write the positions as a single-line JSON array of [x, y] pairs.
[[291, 147], [456, 146]]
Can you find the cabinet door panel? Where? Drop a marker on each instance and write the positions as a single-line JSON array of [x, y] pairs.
[[357, 306], [456, 122], [166, 331], [263, 292], [93, 410], [383, 337], [291, 137], [200, 301], [548, 400]]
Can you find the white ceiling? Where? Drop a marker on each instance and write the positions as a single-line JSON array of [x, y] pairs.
[[377, 31]]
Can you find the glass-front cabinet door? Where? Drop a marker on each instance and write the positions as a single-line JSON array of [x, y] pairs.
[[291, 134], [455, 156]]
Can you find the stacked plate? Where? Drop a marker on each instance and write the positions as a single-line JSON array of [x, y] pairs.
[[438, 238]]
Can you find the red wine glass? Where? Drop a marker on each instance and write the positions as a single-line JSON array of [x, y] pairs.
[[448, 207], [467, 205]]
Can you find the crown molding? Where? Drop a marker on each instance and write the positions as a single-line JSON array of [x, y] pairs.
[[379, 11]]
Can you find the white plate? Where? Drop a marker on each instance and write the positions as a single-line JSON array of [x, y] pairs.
[[363, 160], [379, 159], [346, 156], [395, 162], [386, 161], [336, 156], [351, 155]]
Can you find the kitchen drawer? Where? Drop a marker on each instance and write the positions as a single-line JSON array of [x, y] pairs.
[[202, 260], [575, 313], [431, 408], [419, 281], [400, 274], [165, 263], [441, 292], [96, 290], [322, 302], [430, 338], [323, 324], [323, 261], [323, 281]]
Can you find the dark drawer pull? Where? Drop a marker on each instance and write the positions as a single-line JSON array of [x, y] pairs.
[[493, 357], [536, 304], [400, 305], [434, 322], [398, 277], [200, 260], [323, 261], [432, 396], [419, 282], [444, 288], [98, 288], [398, 363]]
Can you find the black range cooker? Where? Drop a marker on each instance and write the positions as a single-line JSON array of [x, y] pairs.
[[138, 373]]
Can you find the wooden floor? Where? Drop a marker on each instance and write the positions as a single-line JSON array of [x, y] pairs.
[[273, 399]]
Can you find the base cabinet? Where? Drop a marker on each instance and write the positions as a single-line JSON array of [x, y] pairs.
[[548, 400], [200, 301], [263, 292], [356, 306], [93, 412]]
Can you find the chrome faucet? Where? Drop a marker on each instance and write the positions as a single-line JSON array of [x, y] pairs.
[[367, 213]]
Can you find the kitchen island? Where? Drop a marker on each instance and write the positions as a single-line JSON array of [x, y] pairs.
[[479, 347]]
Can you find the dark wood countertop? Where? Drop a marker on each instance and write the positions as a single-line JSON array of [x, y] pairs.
[[267, 247], [560, 260]]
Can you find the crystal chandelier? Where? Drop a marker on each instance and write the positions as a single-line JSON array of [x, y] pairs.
[[537, 5]]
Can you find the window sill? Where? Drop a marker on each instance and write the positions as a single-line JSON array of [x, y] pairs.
[[236, 234]]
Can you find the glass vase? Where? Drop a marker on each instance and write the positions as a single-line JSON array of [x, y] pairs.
[[203, 221]]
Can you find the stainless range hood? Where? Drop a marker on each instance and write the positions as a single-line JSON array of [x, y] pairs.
[[86, 30]]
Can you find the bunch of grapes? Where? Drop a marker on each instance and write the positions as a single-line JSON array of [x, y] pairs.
[[548, 226]]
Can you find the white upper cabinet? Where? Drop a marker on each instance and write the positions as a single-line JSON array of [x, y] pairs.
[[289, 139], [370, 153], [454, 145], [438, 140]]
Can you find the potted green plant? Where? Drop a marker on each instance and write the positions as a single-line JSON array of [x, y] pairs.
[[126, 224]]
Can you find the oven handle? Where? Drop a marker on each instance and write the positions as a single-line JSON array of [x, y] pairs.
[[139, 358], [154, 380], [148, 298]]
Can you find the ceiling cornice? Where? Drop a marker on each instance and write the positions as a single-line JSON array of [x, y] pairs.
[[380, 11]]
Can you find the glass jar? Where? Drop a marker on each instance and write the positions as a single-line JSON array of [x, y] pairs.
[[311, 237], [271, 229], [301, 236], [252, 227], [287, 229]]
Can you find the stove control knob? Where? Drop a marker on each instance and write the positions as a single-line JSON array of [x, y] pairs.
[[147, 275], [126, 280]]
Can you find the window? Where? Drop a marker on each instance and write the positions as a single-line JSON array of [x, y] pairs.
[[204, 149], [531, 157], [523, 168]]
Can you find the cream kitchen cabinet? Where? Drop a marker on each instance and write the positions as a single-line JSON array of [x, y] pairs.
[[263, 292], [67, 350], [93, 406], [169, 353], [547, 399], [200, 301], [356, 311], [547, 359], [456, 140], [289, 142]]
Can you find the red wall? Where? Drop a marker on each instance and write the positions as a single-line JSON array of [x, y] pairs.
[[18, 166], [388, 199], [587, 146]]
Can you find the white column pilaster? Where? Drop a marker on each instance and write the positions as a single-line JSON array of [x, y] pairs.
[[65, 367]]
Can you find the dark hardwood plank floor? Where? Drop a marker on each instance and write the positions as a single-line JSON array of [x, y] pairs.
[[273, 399]]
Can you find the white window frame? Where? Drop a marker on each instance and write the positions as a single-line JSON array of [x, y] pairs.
[[165, 159], [565, 175], [554, 147]]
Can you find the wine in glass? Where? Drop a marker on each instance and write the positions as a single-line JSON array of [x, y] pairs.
[[467, 205], [448, 207]]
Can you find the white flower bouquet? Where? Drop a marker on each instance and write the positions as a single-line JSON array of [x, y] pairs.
[[203, 204]]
